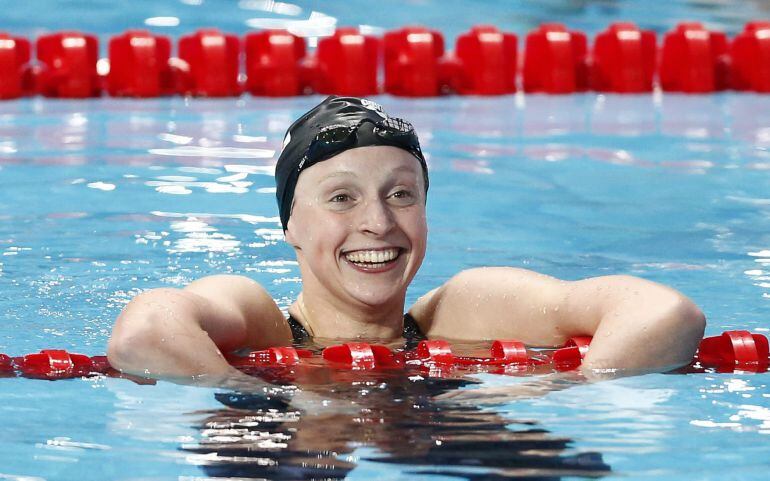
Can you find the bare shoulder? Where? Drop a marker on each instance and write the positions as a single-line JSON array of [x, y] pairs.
[[230, 288], [510, 303], [492, 302], [246, 298]]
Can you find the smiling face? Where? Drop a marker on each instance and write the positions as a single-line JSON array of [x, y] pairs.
[[358, 226]]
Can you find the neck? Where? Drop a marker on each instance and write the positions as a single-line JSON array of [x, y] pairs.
[[329, 318]]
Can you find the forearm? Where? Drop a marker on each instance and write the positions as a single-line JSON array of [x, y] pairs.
[[160, 334]]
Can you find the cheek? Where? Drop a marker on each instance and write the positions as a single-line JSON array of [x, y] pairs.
[[317, 230], [416, 227]]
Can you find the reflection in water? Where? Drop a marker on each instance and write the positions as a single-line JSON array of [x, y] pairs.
[[398, 418]]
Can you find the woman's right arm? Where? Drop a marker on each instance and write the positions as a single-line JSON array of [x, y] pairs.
[[178, 333]]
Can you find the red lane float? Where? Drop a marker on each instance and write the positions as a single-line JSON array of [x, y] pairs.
[[694, 60], [273, 63], [15, 79], [6, 364], [68, 65], [488, 61], [509, 351], [624, 59], [750, 54], [139, 65], [360, 355], [555, 60], [210, 64], [435, 351], [54, 364], [571, 355], [346, 63], [731, 351], [274, 356], [412, 62]]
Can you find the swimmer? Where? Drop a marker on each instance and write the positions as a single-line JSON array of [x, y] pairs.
[[352, 186]]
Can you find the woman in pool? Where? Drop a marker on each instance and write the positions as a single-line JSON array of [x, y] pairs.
[[351, 187]]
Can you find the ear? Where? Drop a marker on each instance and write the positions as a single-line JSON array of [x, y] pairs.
[[289, 234]]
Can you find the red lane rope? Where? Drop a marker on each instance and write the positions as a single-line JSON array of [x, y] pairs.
[[729, 352], [486, 61]]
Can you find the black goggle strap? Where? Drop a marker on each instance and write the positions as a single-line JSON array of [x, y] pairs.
[[334, 133], [327, 140], [337, 136], [398, 131], [394, 125]]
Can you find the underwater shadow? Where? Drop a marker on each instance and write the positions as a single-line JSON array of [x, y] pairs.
[[400, 422]]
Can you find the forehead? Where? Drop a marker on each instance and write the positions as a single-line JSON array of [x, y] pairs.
[[372, 162]]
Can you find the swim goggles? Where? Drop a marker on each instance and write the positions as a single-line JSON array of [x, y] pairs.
[[334, 139]]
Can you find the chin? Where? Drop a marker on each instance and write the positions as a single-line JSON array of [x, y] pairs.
[[376, 297]]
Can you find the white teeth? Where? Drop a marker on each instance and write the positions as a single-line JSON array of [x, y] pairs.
[[372, 257]]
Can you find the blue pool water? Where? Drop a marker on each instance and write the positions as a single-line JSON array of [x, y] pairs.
[[105, 198]]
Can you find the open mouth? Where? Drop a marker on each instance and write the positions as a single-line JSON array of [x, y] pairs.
[[373, 259]]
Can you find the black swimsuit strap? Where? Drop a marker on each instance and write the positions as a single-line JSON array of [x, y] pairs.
[[412, 332], [298, 331]]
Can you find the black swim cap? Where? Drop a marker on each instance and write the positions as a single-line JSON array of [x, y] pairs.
[[365, 122]]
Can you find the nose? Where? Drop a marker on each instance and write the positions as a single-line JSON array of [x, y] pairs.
[[375, 217]]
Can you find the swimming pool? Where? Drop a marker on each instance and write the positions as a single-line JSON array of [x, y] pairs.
[[104, 198]]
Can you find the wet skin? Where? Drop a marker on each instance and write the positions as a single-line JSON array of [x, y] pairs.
[[358, 205], [359, 231]]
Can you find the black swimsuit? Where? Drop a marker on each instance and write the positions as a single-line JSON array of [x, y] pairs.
[[412, 332]]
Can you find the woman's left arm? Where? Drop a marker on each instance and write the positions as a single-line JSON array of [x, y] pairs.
[[637, 325]]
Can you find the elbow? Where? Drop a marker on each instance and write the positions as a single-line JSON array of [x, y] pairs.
[[137, 332], [125, 347], [684, 326], [691, 321], [671, 312], [693, 316]]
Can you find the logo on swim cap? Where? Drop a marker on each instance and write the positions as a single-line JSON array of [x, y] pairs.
[[286, 140], [374, 106]]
